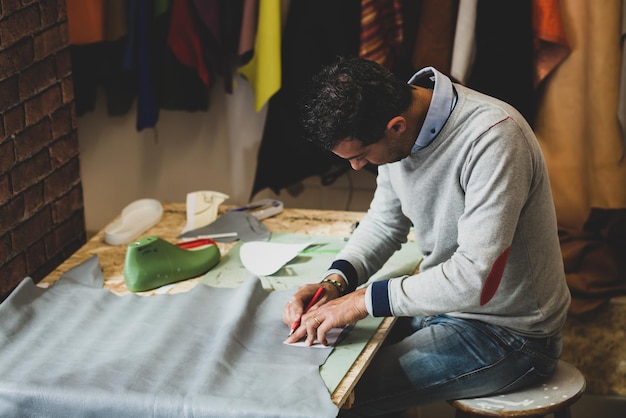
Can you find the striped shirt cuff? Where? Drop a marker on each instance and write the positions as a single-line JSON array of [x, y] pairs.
[[377, 297], [346, 271]]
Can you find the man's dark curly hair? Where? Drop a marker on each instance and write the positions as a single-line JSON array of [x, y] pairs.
[[351, 97]]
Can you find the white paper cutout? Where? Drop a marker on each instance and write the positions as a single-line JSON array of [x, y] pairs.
[[266, 258], [331, 339], [202, 207]]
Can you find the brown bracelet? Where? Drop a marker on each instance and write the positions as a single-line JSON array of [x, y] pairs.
[[336, 284]]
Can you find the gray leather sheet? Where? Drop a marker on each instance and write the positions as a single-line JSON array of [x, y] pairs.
[[78, 350]]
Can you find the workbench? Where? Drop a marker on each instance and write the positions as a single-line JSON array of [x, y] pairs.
[[593, 342], [296, 221]]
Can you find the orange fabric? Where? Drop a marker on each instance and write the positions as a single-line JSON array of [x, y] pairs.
[[85, 21], [381, 31], [435, 35], [550, 40]]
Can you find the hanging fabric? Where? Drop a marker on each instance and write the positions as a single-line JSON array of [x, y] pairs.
[[85, 23], [464, 48], [185, 40], [263, 71], [245, 49], [503, 64], [580, 135], [315, 33], [434, 39], [550, 40], [381, 31], [621, 110]]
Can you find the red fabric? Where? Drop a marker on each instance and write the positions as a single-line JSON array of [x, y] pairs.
[[495, 277], [184, 39]]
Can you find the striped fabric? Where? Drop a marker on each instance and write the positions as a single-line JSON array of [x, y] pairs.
[[381, 30]]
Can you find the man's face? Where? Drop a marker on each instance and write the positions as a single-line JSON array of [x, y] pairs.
[[384, 151]]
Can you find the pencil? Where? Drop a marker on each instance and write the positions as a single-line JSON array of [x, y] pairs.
[[316, 297]]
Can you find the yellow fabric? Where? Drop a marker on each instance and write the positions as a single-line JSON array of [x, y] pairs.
[[577, 120], [263, 71]]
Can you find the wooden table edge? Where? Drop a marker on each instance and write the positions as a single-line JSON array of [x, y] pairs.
[[343, 395]]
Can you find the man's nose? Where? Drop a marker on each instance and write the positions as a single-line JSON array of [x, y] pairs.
[[358, 164]]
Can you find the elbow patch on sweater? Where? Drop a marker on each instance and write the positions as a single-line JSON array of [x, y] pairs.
[[495, 277]]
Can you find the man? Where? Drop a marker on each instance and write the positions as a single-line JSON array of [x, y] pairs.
[[465, 170]]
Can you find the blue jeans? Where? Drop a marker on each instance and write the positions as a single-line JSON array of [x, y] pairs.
[[444, 358]]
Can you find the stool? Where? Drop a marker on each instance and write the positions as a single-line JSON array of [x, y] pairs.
[[554, 396]]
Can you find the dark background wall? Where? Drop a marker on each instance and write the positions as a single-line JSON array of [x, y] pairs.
[[41, 202]]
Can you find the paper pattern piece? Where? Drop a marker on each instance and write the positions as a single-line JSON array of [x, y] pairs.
[[307, 266], [331, 338], [202, 208], [266, 258], [76, 349]]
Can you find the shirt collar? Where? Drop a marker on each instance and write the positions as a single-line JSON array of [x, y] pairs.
[[441, 104]]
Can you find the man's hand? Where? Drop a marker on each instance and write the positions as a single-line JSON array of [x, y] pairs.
[[325, 315], [295, 307]]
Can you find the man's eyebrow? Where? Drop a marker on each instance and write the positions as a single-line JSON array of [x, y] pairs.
[[356, 157]]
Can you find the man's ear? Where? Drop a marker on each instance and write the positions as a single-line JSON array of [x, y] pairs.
[[397, 124]]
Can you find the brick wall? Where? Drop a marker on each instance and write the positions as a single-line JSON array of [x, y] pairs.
[[41, 203]]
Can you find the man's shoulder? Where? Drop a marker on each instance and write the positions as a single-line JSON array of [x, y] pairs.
[[471, 99]]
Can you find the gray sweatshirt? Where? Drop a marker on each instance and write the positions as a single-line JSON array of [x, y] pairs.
[[479, 199]]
